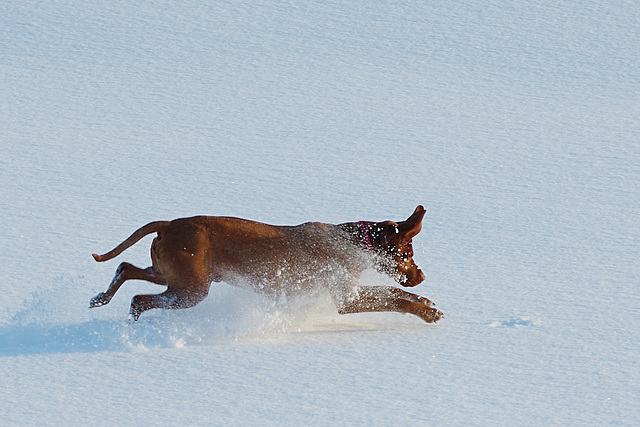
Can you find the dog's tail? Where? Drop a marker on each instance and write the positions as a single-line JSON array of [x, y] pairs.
[[152, 227]]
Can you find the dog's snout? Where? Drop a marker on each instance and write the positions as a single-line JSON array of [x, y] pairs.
[[418, 277], [412, 277]]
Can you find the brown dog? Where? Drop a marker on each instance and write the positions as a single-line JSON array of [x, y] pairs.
[[190, 253]]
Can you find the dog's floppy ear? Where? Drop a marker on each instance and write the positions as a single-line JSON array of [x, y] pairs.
[[411, 227]]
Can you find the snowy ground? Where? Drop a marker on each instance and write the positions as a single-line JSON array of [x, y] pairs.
[[517, 124]]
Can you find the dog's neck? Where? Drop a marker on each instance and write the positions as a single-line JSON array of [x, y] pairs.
[[362, 235], [366, 236]]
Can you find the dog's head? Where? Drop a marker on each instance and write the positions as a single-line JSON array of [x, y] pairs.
[[396, 252]]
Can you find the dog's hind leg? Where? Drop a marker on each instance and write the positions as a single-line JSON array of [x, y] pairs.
[[387, 298], [169, 299], [126, 272]]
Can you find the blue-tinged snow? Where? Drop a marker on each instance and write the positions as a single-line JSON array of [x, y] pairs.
[[516, 124]]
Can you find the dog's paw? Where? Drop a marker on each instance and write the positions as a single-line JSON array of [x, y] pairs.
[[99, 300], [425, 301], [429, 315], [437, 315]]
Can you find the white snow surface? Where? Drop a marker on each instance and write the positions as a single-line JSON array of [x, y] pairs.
[[515, 123]]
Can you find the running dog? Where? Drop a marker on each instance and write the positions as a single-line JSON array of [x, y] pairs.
[[188, 254]]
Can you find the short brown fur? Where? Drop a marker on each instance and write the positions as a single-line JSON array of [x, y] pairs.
[[190, 253]]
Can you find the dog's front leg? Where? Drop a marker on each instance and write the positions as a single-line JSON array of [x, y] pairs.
[[394, 292], [387, 298]]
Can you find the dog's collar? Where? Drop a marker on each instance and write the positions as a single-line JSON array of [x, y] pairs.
[[366, 237]]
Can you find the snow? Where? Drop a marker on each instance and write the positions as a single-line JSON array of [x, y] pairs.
[[516, 124]]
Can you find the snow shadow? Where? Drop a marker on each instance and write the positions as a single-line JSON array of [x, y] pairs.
[[515, 322], [64, 338]]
